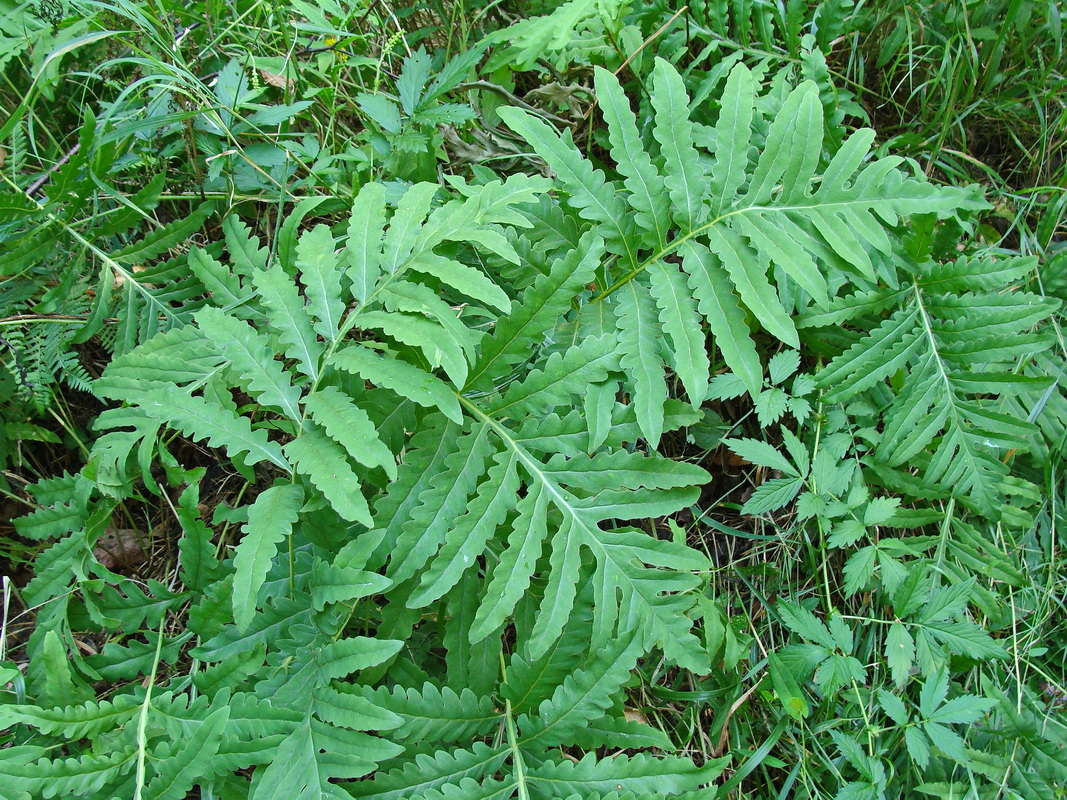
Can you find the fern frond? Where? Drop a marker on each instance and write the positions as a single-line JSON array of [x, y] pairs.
[[471, 532], [958, 350], [441, 504], [364, 245], [325, 463], [200, 419], [640, 355], [583, 697], [777, 212], [165, 237], [71, 722], [177, 773], [425, 773], [225, 286], [349, 426], [418, 331], [646, 185], [398, 376], [67, 777], [591, 193], [181, 356], [287, 314], [640, 774], [562, 375], [433, 714], [252, 356], [270, 520], [541, 306]]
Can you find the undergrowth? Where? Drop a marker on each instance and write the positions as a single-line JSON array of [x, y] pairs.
[[577, 404]]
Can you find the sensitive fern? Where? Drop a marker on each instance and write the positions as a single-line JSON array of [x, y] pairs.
[[698, 230]]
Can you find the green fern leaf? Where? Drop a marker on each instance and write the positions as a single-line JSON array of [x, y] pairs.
[[945, 414], [433, 714], [348, 425], [440, 504], [178, 773], [270, 520], [319, 266], [425, 458], [583, 697], [563, 375], [164, 237], [404, 227], [512, 574], [685, 179], [530, 681], [733, 131], [464, 279], [333, 583], [425, 773], [253, 358], [199, 419], [287, 314], [646, 185], [69, 777], [469, 535], [569, 435], [345, 707], [313, 754], [749, 275], [639, 349], [325, 463], [225, 287], [83, 721], [591, 193], [718, 304], [429, 337], [398, 376], [539, 310], [364, 245], [181, 356], [402, 295], [245, 253], [665, 776], [679, 317]]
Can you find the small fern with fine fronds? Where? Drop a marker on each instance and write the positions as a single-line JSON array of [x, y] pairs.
[[747, 220]]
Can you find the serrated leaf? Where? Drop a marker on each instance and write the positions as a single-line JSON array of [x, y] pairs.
[[348, 425], [253, 360], [199, 419], [319, 267], [270, 520], [405, 379], [325, 463]]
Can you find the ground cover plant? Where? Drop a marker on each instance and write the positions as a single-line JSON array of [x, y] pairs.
[[578, 400]]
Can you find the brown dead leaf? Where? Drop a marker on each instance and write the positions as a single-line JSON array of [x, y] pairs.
[[279, 81], [120, 547]]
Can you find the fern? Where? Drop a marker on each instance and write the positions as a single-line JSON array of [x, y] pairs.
[[958, 335], [789, 209], [447, 411]]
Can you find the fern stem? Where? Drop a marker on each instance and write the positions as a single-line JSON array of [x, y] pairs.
[[516, 754], [670, 248], [142, 719]]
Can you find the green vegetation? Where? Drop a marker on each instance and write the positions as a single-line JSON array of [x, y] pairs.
[[586, 399]]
